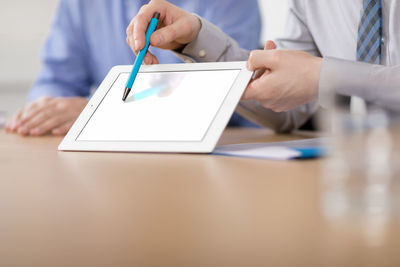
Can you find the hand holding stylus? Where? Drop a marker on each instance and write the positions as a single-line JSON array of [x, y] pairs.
[[176, 28]]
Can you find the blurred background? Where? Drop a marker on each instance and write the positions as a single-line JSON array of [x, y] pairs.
[[24, 30]]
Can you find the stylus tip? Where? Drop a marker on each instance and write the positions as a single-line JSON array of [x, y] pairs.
[[126, 93]]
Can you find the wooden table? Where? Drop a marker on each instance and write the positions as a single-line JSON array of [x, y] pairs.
[[116, 209]]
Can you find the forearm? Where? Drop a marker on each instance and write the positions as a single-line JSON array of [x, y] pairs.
[[54, 90], [281, 122], [374, 83]]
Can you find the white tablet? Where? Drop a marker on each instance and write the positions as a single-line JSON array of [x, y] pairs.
[[171, 108]]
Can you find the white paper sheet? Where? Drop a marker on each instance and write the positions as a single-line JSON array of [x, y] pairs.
[[163, 106]]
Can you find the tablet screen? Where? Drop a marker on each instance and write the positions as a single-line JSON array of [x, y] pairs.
[[162, 106]]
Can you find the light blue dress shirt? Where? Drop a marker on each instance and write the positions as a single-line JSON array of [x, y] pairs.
[[87, 38]]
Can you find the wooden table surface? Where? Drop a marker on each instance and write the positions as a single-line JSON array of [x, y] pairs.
[[125, 209]]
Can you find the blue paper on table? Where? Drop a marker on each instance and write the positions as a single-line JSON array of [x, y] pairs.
[[298, 149]]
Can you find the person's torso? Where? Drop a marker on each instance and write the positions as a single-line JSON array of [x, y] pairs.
[[334, 28]]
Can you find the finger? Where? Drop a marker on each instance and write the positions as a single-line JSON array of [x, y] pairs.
[[167, 35], [129, 37], [22, 131], [40, 118], [17, 120], [46, 126], [12, 123], [155, 60], [63, 129], [129, 29], [150, 59], [35, 108], [256, 88], [140, 24], [263, 59], [270, 45], [30, 112], [31, 120]]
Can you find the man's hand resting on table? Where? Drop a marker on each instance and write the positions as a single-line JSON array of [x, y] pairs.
[[47, 115]]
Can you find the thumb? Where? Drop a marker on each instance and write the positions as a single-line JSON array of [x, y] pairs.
[[261, 59], [270, 45]]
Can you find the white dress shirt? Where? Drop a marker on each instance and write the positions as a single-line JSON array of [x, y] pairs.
[[327, 28]]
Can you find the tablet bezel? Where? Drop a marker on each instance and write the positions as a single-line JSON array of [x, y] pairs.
[[70, 143]]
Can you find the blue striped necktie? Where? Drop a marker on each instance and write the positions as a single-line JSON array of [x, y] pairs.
[[369, 42]]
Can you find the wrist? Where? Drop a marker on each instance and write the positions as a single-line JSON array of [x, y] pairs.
[[197, 26]]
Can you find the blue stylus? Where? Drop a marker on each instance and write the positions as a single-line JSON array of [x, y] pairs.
[[139, 59]]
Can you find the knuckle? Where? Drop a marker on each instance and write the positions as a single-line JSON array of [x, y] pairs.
[[142, 11], [143, 8], [31, 106], [44, 99], [61, 105], [133, 24], [136, 21], [187, 27], [252, 56], [139, 17]]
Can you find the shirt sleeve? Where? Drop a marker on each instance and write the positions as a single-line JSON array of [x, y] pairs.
[[373, 83], [213, 45], [64, 57]]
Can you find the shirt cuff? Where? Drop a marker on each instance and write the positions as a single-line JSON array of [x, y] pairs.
[[209, 46]]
